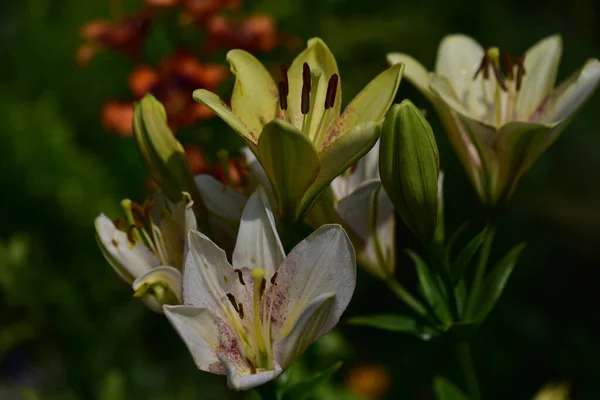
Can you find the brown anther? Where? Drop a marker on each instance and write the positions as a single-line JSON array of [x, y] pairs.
[[119, 223], [147, 207], [138, 211], [483, 68], [263, 285], [241, 310], [282, 96], [499, 77], [331, 91], [233, 302], [284, 75], [273, 278], [239, 273], [520, 62], [306, 85]]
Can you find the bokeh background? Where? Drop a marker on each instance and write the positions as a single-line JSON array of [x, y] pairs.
[[69, 329]]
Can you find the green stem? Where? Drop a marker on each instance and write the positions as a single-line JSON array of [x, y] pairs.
[[465, 360], [403, 294], [482, 262]]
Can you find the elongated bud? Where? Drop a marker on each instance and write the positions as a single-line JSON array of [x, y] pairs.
[[162, 154], [409, 168]]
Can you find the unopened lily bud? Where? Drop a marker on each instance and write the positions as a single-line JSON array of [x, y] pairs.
[[409, 168], [162, 154]]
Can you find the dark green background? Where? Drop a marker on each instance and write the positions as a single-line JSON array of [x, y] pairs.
[[70, 330]]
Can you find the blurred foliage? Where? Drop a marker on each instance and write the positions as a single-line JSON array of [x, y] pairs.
[[70, 330]]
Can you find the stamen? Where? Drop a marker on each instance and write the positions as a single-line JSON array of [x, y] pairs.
[[282, 97], [252, 366], [286, 83], [331, 91], [147, 207], [306, 85], [483, 68], [239, 272], [509, 65], [273, 279], [241, 310], [520, 62], [119, 223], [263, 286], [233, 302], [131, 234], [499, 77]]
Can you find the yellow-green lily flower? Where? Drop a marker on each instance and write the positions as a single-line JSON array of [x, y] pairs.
[[500, 120], [296, 128], [252, 318], [146, 247]]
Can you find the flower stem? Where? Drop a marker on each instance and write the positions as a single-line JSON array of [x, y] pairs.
[[403, 294], [484, 256], [465, 360]]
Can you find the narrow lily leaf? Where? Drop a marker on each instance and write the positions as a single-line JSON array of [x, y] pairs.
[[394, 323], [466, 255], [495, 282], [254, 98], [302, 390], [445, 390], [431, 290], [338, 157], [290, 161]]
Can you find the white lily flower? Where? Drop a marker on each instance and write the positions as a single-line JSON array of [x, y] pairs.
[[146, 247], [365, 206], [251, 320], [500, 122]]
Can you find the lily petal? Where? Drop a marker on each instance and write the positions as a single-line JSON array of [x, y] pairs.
[[305, 329], [318, 56], [370, 104], [258, 244], [212, 101], [224, 204], [574, 92], [338, 157], [414, 72], [245, 381], [168, 278], [290, 161], [324, 262], [458, 58], [541, 66], [370, 214], [207, 275], [367, 168], [204, 334], [255, 96], [129, 261]]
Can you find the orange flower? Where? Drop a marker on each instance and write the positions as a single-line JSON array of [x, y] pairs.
[[255, 33], [118, 117]]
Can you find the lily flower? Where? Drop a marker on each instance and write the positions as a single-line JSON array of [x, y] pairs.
[[500, 120], [365, 206], [145, 247], [295, 127], [252, 319]]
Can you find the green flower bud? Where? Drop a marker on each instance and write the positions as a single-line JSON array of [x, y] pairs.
[[409, 168], [163, 155]]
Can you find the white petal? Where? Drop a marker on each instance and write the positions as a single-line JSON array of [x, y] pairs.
[[205, 335], [258, 244], [414, 71], [168, 277], [366, 168], [541, 66], [245, 380], [370, 213], [324, 262], [575, 91], [305, 330], [459, 56], [207, 275], [224, 204], [128, 261]]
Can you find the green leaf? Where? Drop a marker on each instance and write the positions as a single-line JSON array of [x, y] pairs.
[[290, 161], [394, 323], [466, 255], [431, 289], [445, 390], [303, 389], [494, 283]]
